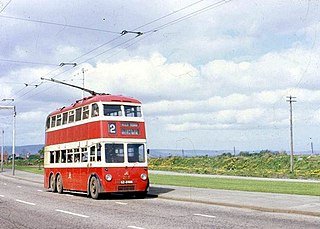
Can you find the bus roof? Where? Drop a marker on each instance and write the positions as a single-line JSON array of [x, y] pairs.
[[96, 98]]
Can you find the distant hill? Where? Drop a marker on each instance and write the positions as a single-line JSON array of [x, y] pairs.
[[24, 150]]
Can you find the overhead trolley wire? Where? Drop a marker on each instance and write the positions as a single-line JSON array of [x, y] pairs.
[[5, 6], [58, 24], [27, 62], [192, 14], [189, 15]]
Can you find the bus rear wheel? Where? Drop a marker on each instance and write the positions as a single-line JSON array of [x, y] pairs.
[[59, 184], [94, 188], [52, 185]]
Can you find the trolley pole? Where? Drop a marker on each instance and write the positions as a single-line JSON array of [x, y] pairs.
[[291, 100]]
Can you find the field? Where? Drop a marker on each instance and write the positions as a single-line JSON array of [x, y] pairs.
[[257, 165]]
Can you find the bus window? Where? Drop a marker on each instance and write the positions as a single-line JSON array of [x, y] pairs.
[[78, 114], [53, 121], [99, 152], [93, 153], [76, 155], [64, 118], [85, 113], [114, 153], [71, 116], [48, 123], [84, 154], [57, 156], [136, 153], [132, 111], [63, 156], [94, 110], [112, 110], [51, 156], [59, 120], [70, 156]]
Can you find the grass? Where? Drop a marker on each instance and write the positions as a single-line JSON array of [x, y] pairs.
[[25, 168], [298, 188]]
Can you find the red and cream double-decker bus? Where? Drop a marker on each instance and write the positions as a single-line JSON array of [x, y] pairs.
[[97, 145]]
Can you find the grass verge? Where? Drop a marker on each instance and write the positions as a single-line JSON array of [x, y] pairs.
[[298, 188], [30, 169]]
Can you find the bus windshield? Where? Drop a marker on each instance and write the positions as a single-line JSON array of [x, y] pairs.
[[114, 153]]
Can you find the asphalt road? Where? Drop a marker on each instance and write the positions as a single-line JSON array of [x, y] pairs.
[[25, 204]]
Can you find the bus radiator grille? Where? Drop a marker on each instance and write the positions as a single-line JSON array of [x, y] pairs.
[[124, 188]]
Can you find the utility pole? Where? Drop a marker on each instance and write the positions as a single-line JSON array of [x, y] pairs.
[[291, 100], [2, 146], [311, 143]]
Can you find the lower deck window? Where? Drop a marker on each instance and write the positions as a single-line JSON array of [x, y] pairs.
[[114, 153], [136, 153]]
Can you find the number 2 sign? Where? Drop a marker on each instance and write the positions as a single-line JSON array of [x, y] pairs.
[[112, 128]]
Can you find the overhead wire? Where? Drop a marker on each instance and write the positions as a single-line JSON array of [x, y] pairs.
[[27, 62], [5, 6], [58, 24], [211, 6]]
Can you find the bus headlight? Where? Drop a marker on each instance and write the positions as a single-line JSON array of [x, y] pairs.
[[108, 177], [143, 176]]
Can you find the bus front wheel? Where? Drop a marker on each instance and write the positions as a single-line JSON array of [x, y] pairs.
[[94, 188]]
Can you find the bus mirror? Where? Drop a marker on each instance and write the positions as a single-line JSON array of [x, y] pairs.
[[148, 151]]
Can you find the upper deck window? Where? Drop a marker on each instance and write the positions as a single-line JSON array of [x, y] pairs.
[[48, 123], [85, 111], [78, 114], [59, 120], [94, 110], [132, 111], [71, 116], [53, 121], [64, 118], [112, 110]]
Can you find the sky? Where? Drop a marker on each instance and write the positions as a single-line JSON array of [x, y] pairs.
[[211, 75]]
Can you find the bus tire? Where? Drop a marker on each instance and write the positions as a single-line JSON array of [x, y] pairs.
[[59, 184], [94, 188], [52, 185]]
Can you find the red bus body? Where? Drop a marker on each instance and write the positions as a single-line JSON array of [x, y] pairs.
[[97, 145]]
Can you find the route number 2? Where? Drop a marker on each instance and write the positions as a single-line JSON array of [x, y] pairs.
[[112, 128]]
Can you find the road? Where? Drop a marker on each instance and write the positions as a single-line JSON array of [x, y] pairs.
[[26, 204]]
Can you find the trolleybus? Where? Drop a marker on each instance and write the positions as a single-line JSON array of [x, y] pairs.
[[97, 145]]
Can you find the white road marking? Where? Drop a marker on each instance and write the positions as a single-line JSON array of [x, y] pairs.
[[72, 213], [121, 203], [19, 186], [5, 183], [25, 202], [39, 190], [134, 227], [208, 216], [1, 195]]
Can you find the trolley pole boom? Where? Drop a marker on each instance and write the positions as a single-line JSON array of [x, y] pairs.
[[75, 86]]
